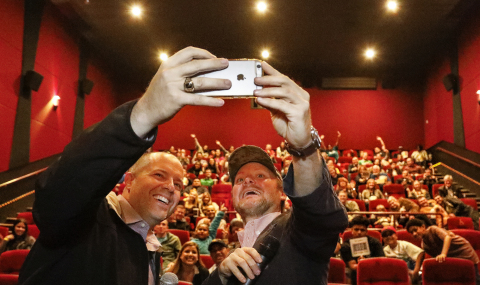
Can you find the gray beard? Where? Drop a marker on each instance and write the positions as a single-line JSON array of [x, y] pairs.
[[253, 212]]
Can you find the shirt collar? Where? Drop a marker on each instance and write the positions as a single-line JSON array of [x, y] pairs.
[[254, 228]]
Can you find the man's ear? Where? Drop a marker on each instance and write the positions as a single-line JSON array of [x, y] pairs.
[[128, 181]]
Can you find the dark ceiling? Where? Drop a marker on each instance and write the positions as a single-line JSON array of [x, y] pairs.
[[307, 39]]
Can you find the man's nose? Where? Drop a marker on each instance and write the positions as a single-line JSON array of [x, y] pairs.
[[170, 185], [248, 180]]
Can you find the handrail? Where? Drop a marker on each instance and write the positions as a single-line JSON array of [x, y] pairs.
[[17, 198], [397, 214], [22, 177], [458, 156], [458, 172]]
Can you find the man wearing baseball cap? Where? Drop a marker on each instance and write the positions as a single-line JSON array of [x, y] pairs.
[[307, 234], [218, 251]]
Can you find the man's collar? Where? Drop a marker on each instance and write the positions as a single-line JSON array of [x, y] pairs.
[[254, 228]]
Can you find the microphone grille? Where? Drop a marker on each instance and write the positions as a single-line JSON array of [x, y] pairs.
[[169, 278]]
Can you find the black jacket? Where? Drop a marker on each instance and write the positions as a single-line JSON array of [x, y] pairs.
[[82, 239]]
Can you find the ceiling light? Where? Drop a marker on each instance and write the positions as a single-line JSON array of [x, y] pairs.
[[136, 11], [163, 56], [265, 54], [261, 6], [370, 53], [392, 6]]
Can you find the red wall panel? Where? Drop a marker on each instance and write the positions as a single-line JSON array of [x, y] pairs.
[[360, 116], [11, 31]]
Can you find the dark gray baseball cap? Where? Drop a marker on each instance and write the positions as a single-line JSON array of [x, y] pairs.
[[247, 154]]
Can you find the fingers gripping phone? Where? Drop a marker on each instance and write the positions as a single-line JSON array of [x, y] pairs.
[[241, 72]]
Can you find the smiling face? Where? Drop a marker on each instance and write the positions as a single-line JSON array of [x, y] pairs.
[[417, 232], [202, 231], [153, 186], [20, 229], [209, 212], [218, 253], [189, 255], [417, 186], [256, 191]]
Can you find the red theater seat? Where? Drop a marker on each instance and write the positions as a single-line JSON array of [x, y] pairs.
[[406, 236], [395, 190], [373, 233], [221, 188], [345, 159], [374, 203], [184, 236], [382, 270], [207, 260], [4, 231], [460, 223], [453, 271], [8, 279], [336, 273], [435, 189], [27, 216], [361, 204], [33, 231], [470, 202], [11, 261]]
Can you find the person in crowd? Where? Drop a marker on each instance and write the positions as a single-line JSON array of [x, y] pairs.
[[380, 178], [206, 232], [197, 186], [198, 146], [365, 160], [381, 220], [191, 205], [225, 151], [212, 166], [412, 168], [400, 160], [236, 226], [171, 244], [309, 238], [350, 206], [449, 189], [417, 191], [420, 156], [196, 168], [225, 179], [393, 169], [440, 243], [343, 185], [270, 152], [178, 219], [333, 174], [286, 166], [95, 160], [205, 200], [219, 158], [404, 250], [359, 226], [372, 192], [208, 180], [282, 152], [402, 205], [182, 157], [186, 180], [19, 238], [209, 215], [332, 151], [406, 179], [381, 153], [188, 266], [456, 208], [428, 179], [363, 176], [403, 153], [218, 251], [353, 167]]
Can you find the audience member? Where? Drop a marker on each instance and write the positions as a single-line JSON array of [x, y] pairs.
[[353, 167], [205, 233], [270, 152], [365, 160], [218, 251], [182, 157], [402, 205], [282, 152], [417, 191], [196, 168], [212, 166], [412, 168], [350, 206], [178, 219], [205, 200], [404, 250], [405, 180], [19, 238], [225, 179], [188, 266], [343, 185], [333, 174], [440, 243], [381, 220], [371, 192], [420, 156], [236, 226], [456, 208], [191, 205], [382, 153], [449, 189], [197, 186], [428, 179], [171, 244], [380, 177], [363, 176], [227, 152], [208, 180], [219, 158], [359, 226], [331, 151], [210, 213]]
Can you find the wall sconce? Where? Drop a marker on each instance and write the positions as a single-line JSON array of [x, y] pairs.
[[478, 97], [55, 100]]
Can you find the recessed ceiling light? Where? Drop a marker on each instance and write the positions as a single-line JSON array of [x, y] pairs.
[[136, 11], [163, 56], [370, 53], [261, 6], [392, 6], [265, 54]]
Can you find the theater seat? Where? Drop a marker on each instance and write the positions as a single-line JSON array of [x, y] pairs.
[[395, 190], [4, 231], [382, 270], [470, 202], [207, 260], [473, 238], [8, 279], [27, 216], [406, 236], [336, 273], [374, 203], [184, 236], [435, 189], [221, 188], [373, 233], [11, 261], [361, 204], [33, 231], [460, 223], [453, 271]]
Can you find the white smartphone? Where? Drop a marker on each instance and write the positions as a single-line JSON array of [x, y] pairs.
[[241, 73]]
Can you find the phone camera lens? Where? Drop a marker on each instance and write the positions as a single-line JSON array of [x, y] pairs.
[[258, 66]]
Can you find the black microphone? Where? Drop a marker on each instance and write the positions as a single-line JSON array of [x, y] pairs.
[[267, 250], [169, 278]]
